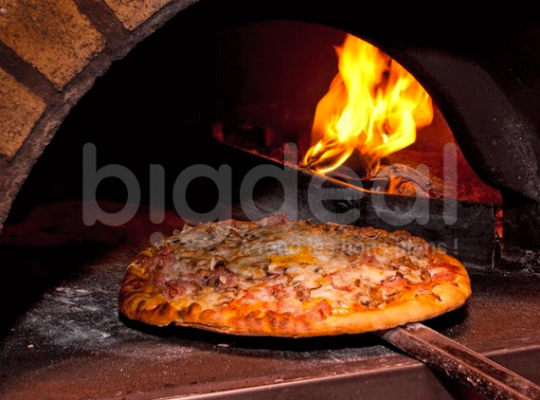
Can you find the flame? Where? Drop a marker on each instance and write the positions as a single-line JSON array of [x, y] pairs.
[[373, 106]]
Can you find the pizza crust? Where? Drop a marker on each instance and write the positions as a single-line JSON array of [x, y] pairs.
[[143, 300]]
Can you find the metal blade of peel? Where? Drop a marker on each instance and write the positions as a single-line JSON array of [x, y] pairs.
[[461, 363]]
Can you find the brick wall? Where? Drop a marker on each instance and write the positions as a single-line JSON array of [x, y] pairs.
[[51, 52]]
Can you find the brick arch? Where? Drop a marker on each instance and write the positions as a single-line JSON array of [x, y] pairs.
[[51, 53]]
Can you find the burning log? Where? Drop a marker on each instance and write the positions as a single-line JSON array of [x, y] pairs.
[[395, 178], [404, 180]]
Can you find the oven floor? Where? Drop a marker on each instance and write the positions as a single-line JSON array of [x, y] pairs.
[[71, 343]]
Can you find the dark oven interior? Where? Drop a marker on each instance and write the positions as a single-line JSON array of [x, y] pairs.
[[255, 68]]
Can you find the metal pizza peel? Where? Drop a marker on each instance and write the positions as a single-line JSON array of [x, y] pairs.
[[460, 363]]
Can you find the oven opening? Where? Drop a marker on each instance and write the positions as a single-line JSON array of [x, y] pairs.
[[370, 131]]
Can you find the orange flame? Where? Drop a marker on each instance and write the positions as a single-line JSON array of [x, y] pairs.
[[373, 106]]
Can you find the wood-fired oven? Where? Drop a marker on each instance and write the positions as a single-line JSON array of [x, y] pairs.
[[220, 83]]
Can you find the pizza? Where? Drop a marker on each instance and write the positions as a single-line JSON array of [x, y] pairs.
[[278, 277]]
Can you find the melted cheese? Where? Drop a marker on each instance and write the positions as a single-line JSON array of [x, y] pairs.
[[290, 267]]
